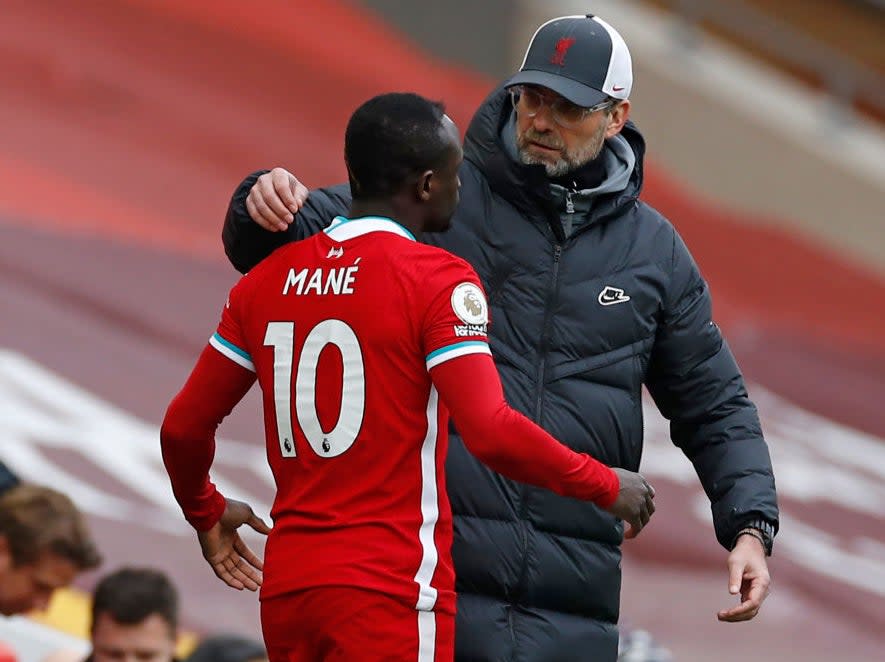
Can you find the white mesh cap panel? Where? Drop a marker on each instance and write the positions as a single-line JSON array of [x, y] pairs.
[[619, 80]]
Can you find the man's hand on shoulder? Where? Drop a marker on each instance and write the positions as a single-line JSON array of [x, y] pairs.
[[635, 503], [747, 575], [275, 198]]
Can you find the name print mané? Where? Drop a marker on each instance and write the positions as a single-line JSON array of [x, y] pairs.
[[337, 280]]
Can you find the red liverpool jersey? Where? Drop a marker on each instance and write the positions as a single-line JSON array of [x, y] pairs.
[[341, 330]]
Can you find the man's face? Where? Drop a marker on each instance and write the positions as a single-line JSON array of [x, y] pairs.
[[540, 140], [30, 586], [446, 184], [152, 640]]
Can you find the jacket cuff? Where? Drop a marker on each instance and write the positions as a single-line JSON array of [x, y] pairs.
[[761, 528]]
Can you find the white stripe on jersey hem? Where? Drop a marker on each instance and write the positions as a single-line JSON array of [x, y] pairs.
[[230, 351], [429, 509], [426, 636], [343, 228], [454, 351]]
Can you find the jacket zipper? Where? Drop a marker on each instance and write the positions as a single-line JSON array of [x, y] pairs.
[[542, 369], [545, 332]]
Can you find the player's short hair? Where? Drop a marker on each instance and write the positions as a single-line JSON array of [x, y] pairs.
[[131, 595], [36, 520], [389, 138]]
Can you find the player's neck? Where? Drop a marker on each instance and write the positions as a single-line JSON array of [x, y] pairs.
[[384, 209]]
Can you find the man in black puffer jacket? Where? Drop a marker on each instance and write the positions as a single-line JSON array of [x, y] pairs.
[[592, 294]]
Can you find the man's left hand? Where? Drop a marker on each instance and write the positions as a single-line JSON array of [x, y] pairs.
[[231, 559], [747, 575]]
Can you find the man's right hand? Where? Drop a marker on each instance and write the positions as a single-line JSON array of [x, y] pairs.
[[231, 559], [275, 198], [635, 503]]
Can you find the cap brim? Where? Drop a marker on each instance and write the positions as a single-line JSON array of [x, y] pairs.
[[572, 90]]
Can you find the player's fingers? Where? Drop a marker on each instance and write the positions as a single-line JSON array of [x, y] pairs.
[[247, 576], [300, 193], [283, 190], [266, 199], [258, 524], [256, 215], [242, 572], [222, 571], [735, 575], [635, 527], [248, 555], [264, 185], [264, 215], [757, 593], [743, 612], [279, 196]]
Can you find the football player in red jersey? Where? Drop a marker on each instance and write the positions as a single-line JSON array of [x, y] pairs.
[[364, 341]]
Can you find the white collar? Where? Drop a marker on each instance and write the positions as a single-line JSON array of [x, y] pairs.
[[343, 228]]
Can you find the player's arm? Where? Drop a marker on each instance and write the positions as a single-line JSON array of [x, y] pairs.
[[222, 376], [271, 208], [515, 447], [187, 436]]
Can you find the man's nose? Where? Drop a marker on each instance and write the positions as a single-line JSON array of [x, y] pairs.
[[543, 119]]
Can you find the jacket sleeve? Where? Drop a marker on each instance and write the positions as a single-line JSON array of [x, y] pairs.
[[246, 243], [187, 436], [697, 385]]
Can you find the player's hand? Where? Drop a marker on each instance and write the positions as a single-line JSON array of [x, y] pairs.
[[635, 503], [231, 559], [747, 575], [274, 199]]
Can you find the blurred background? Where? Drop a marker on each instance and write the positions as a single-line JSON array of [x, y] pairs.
[[125, 126]]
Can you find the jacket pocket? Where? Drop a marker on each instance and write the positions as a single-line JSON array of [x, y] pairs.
[[636, 349]]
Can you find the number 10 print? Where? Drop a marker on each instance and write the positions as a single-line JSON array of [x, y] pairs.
[[281, 336]]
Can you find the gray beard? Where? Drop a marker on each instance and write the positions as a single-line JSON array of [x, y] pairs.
[[572, 160]]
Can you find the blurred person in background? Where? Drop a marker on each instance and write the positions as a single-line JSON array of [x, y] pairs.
[[8, 479], [228, 648], [358, 564], [594, 294], [44, 544], [134, 619]]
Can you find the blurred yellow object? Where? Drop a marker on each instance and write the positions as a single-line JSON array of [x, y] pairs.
[[70, 612]]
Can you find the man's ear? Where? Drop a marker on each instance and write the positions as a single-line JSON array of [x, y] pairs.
[[424, 185], [619, 116]]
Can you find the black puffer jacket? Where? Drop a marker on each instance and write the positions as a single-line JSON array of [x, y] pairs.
[[579, 325]]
